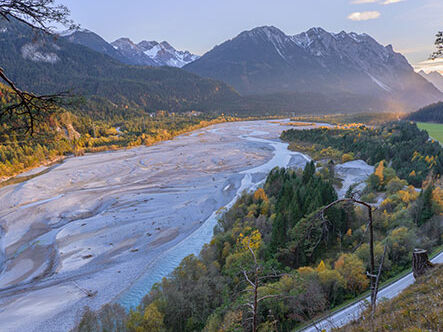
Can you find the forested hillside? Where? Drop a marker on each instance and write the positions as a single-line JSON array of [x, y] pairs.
[[406, 148], [431, 113], [47, 64], [100, 127], [274, 240]]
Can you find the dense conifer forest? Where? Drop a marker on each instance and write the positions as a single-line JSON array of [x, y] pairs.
[[430, 113]]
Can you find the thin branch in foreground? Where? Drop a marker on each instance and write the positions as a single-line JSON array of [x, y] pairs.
[[30, 107], [37, 14]]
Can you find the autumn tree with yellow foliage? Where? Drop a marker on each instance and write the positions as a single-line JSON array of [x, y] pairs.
[[352, 269]]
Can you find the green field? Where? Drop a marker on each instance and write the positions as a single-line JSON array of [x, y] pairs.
[[435, 130]]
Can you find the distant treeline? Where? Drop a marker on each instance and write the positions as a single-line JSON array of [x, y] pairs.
[[96, 126], [406, 148], [430, 113]]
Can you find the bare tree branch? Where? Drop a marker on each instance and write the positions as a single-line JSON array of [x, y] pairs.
[[247, 279], [268, 297], [37, 14], [29, 106], [255, 283]]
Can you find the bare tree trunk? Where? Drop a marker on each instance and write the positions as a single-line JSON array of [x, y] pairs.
[[258, 279], [380, 269], [254, 319], [372, 260], [420, 262], [371, 274]]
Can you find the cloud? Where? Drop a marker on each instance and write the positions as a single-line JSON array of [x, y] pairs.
[[388, 2], [364, 16]]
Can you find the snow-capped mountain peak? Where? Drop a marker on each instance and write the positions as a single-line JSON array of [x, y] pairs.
[[123, 43], [166, 55], [145, 53], [70, 32], [154, 53], [265, 60]]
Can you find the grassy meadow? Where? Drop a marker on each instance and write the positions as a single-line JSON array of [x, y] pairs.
[[435, 130]]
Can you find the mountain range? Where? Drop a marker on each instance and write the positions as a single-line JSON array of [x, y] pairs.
[[48, 64], [265, 61], [434, 77], [261, 71], [145, 53]]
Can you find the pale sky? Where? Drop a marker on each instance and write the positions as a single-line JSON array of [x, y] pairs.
[[199, 25]]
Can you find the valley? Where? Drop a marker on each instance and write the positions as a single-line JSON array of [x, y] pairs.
[[264, 174], [114, 223]]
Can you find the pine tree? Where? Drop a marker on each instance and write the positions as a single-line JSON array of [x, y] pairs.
[[308, 172], [427, 210]]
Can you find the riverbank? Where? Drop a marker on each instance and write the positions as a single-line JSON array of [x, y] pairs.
[[117, 222], [79, 146]]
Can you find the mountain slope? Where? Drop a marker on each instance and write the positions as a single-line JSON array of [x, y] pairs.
[[145, 53], [94, 42], [267, 61], [435, 78], [418, 308], [132, 52], [50, 64], [166, 55]]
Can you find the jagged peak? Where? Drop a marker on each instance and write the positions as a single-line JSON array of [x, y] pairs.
[[317, 31], [70, 32], [269, 30], [165, 44], [389, 48], [306, 37], [147, 44], [124, 41]]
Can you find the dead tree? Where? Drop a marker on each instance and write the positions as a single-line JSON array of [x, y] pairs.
[[420, 262], [380, 269], [37, 14], [255, 281], [371, 274]]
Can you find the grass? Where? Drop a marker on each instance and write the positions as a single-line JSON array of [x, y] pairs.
[[362, 296], [435, 130], [417, 308]]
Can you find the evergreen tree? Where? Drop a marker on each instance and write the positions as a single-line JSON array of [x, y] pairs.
[[426, 209]]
